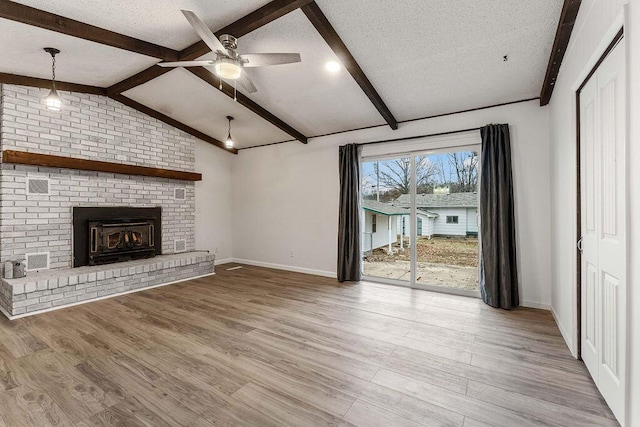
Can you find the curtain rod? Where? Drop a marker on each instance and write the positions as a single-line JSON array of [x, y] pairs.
[[420, 136]]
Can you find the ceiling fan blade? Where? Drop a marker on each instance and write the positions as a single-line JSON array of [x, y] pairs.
[[186, 63], [203, 31], [262, 59], [245, 82]]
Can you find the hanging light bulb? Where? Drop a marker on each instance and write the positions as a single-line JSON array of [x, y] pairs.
[[53, 101], [229, 142]]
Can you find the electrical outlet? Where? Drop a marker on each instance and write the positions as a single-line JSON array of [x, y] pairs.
[[291, 253], [216, 250]]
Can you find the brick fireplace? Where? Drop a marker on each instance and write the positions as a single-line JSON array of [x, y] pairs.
[[37, 203]]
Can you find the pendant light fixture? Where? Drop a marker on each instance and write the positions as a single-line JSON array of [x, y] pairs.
[[229, 142], [53, 101]]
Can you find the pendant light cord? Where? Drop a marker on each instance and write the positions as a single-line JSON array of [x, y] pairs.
[[53, 70]]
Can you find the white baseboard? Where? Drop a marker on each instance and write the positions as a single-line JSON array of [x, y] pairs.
[[535, 304], [223, 261], [322, 273], [10, 317], [568, 339]]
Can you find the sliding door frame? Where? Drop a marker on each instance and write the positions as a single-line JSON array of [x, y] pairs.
[[433, 149]]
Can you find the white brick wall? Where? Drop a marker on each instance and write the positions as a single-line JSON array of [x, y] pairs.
[[92, 127]]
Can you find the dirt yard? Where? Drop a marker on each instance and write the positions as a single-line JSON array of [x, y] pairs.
[[450, 262]]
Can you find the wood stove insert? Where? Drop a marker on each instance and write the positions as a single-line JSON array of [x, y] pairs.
[[115, 234]]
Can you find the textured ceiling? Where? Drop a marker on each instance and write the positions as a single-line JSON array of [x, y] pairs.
[[424, 57], [305, 95], [185, 97], [155, 21], [79, 61], [427, 57]]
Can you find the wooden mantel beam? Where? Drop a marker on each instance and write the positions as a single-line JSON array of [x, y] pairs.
[[52, 161], [560, 43], [49, 21], [329, 34]]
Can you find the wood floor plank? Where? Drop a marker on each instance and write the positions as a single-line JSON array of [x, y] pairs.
[[366, 415], [464, 405], [256, 346], [550, 412], [534, 386], [29, 405], [284, 409]]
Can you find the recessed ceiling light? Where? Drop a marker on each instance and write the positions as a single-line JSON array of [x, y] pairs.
[[332, 66]]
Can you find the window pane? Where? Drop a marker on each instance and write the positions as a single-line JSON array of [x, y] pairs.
[[447, 207], [385, 236]]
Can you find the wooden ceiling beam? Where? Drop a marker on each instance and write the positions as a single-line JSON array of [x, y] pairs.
[[170, 121], [137, 79], [254, 20], [39, 18], [14, 79], [568, 16], [329, 34], [243, 26], [245, 101]]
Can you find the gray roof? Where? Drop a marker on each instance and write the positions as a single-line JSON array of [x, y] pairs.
[[429, 214], [383, 208], [453, 200]]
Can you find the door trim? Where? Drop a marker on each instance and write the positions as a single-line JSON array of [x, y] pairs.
[[616, 39]]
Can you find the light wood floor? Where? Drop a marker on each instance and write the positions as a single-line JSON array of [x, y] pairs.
[[268, 348]]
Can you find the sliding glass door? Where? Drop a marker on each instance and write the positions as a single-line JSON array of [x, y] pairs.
[[420, 219], [386, 226]]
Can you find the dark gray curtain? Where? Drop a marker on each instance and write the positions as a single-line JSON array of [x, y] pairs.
[[498, 271], [349, 257]]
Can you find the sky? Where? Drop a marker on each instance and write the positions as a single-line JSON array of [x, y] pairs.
[[369, 176]]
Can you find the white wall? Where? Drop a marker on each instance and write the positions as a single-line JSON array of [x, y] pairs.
[[441, 226], [214, 201], [472, 220], [286, 196], [594, 20], [381, 238]]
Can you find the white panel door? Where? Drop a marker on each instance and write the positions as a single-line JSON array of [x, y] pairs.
[[603, 207]]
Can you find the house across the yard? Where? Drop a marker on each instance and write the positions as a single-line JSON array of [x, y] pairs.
[[382, 223], [451, 214]]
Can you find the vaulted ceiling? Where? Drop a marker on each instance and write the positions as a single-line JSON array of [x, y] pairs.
[[421, 58]]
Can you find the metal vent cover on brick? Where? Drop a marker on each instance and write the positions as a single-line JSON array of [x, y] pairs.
[[37, 261], [38, 186], [179, 245], [179, 193]]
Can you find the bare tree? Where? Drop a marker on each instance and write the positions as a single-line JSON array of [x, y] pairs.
[[396, 174], [464, 168]]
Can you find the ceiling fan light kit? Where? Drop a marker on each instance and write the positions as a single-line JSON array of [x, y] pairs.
[[228, 68], [229, 65], [53, 102]]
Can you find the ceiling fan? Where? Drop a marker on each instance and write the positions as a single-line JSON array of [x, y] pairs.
[[228, 64]]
